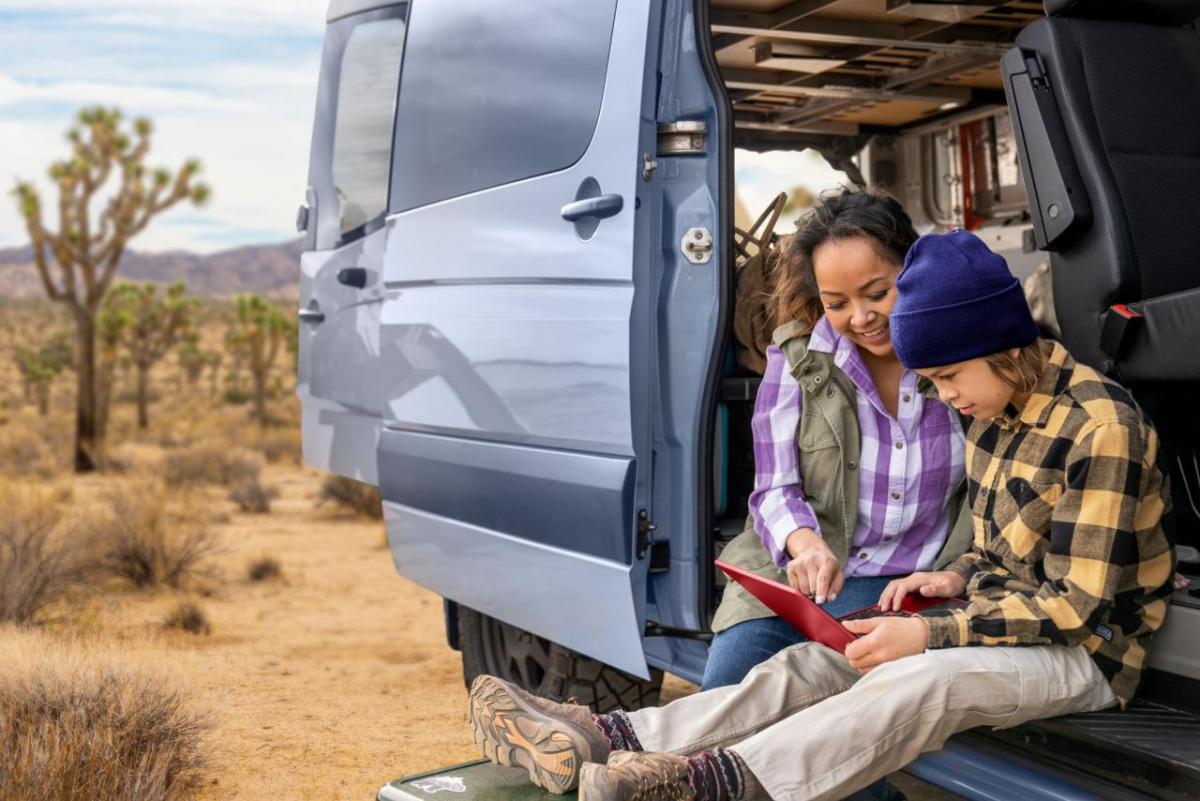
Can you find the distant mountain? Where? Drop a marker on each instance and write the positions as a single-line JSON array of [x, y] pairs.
[[266, 269]]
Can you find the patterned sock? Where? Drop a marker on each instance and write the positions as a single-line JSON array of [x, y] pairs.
[[618, 731], [717, 775]]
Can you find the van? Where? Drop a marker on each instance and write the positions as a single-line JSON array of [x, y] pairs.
[[518, 281]]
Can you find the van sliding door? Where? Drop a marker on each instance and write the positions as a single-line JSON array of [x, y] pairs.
[[513, 461]]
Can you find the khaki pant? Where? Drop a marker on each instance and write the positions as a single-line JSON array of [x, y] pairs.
[[810, 727]]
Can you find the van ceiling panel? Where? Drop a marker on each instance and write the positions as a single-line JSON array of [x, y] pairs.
[[809, 69]]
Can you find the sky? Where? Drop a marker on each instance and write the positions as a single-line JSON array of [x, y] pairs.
[[231, 82]]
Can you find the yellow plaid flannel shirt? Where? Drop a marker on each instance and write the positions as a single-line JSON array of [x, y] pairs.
[[1066, 502]]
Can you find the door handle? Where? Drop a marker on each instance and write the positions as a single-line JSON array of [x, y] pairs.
[[353, 276], [311, 316], [599, 207]]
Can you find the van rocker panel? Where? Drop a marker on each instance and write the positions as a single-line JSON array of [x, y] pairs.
[[562, 499], [581, 602]]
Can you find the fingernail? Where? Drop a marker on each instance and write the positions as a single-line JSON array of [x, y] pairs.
[[820, 599], [833, 597]]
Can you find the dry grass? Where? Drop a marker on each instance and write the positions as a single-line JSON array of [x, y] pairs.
[[149, 540], [251, 495], [210, 463], [76, 725], [278, 445], [354, 495], [26, 451], [265, 568], [188, 616], [41, 559]]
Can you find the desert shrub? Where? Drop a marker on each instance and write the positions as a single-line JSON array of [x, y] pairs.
[[353, 495], [279, 445], [188, 616], [25, 451], [265, 568], [75, 724], [235, 397], [40, 558], [251, 495], [210, 463], [148, 540]]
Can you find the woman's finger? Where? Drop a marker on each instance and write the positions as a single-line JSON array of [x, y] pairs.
[[839, 580], [824, 580]]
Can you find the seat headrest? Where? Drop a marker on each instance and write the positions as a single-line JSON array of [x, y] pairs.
[[1172, 13]]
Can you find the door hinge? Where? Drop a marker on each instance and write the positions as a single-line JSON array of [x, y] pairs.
[[645, 533], [681, 138]]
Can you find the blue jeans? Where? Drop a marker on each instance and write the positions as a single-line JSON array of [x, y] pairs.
[[739, 648]]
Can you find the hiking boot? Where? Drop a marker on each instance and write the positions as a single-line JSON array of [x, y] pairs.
[[637, 776], [548, 739]]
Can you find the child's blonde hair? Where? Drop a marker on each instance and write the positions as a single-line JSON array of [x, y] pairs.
[[1023, 371]]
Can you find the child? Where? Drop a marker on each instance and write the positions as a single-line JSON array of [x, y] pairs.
[[1067, 580]]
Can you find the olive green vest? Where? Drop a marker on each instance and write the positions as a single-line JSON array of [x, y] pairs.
[[829, 443]]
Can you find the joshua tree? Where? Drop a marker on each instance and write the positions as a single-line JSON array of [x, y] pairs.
[[259, 330], [151, 324], [39, 367], [77, 263]]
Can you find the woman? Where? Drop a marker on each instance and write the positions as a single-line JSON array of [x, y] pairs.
[[859, 470]]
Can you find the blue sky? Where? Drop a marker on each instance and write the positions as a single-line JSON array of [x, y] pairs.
[[232, 82]]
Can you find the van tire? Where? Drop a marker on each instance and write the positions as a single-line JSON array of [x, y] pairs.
[[547, 669]]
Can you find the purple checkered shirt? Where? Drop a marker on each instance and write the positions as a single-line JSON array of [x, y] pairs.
[[908, 468]]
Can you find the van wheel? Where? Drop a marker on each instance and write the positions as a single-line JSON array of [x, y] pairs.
[[546, 668]]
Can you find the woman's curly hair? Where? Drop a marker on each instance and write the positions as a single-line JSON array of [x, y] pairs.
[[845, 214]]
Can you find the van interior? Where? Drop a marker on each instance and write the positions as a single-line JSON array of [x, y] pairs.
[[909, 96], [905, 96]]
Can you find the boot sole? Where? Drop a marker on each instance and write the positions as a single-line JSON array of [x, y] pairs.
[[513, 733]]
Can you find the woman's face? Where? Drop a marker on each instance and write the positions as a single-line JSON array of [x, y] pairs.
[[972, 387], [857, 287]]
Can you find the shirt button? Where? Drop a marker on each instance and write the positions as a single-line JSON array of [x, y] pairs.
[[852, 465], [862, 554], [899, 445], [887, 538], [895, 496], [907, 397]]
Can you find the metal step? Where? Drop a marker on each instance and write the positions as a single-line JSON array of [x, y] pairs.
[[1149, 747]]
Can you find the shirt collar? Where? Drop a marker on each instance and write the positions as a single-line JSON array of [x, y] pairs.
[[1041, 400]]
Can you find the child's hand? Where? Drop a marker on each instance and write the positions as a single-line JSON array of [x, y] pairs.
[[884, 639], [942, 584]]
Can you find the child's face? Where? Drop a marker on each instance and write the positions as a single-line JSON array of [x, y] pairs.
[[858, 289], [972, 387]]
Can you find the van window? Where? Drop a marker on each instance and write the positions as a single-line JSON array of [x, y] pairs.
[[496, 92], [352, 140]]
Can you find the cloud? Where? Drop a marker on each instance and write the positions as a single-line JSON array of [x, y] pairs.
[[240, 99]]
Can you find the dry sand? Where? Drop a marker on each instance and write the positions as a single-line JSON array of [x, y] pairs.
[[326, 684]]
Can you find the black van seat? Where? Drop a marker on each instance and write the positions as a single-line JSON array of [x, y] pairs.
[[1104, 104]]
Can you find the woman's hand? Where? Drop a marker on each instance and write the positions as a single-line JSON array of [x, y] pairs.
[[942, 584], [814, 570], [884, 639]]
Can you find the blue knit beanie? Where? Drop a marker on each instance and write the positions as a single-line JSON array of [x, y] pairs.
[[956, 300]]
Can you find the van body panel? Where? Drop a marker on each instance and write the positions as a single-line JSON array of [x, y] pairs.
[[339, 379], [535, 362], [539, 494], [584, 602], [515, 449]]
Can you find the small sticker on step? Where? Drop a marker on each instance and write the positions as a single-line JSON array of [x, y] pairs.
[[435, 784], [1105, 632]]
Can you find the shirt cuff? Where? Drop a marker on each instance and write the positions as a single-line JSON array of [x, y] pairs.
[[948, 628], [779, 529], [964, 566]]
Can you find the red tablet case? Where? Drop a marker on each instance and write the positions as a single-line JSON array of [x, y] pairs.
[[806, 616]]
